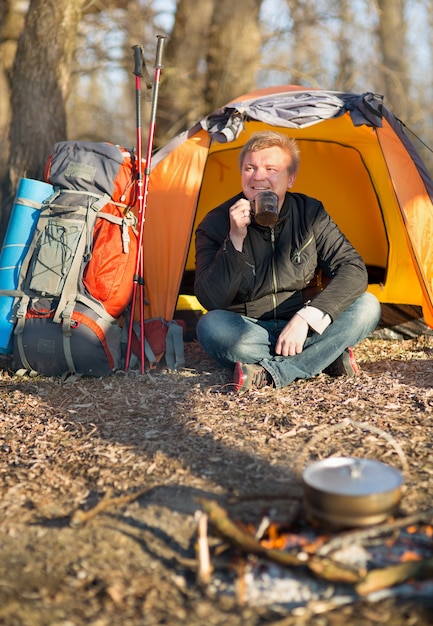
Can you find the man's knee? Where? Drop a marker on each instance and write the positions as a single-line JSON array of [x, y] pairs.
[[211, 325], [371, 307]]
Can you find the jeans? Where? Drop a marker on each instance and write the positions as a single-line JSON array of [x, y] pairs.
[[230, 337]]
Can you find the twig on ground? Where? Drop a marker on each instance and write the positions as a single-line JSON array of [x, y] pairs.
[[80, 517], [204, 569]]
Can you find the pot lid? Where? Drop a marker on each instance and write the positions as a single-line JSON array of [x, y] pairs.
[[351, 476]]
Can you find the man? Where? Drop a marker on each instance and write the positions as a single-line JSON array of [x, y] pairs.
[[253, 279]]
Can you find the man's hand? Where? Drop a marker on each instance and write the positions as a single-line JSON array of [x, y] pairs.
[[292, 337], [240, 217]]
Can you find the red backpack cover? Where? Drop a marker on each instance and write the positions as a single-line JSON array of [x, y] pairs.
[[108, 274]]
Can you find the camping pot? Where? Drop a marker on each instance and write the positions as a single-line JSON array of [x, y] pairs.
[[350, 492]]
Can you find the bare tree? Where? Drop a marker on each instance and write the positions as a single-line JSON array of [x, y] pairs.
[[233, 56], [102, 95], [213, 56], [392, 40], [307, 51], [41, 76], [181, 99], [11, 24], [346, 68]]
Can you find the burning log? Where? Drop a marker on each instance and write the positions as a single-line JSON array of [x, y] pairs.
[[353, 536], [323, 567], [394, 574], [364, 582]]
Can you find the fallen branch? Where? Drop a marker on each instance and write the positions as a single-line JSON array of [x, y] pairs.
[[360, 535], [204, 569], [323, 567], [80, 517], [393, 575]]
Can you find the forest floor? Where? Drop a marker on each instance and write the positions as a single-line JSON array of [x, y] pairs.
[[104, 483]]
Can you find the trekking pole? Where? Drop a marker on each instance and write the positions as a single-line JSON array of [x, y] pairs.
[[143, 188], [139, 64]]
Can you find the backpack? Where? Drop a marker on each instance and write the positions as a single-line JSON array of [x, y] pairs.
[[77, 277]]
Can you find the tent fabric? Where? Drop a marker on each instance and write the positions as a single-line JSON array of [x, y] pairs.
[[402, 321], [355, 157], [294, 110]]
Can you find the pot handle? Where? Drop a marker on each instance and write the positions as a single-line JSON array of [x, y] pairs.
[[349, 422]]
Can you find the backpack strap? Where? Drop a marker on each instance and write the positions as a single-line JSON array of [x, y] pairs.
[[124, 222], [148, 352], [67, 333], [95, 306], [19, 201], [12, 293], [174, 354], [19, 329]]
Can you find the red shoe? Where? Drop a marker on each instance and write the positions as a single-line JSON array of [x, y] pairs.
[[247, 376], [344, 365]]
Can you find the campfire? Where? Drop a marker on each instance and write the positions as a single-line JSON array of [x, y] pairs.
[[307, 568]]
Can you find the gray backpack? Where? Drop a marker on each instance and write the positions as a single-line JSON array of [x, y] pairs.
[[76, 280]]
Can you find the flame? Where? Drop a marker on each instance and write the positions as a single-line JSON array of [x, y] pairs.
[[281, 539], [429, 530], [412, 529], [410, 555]]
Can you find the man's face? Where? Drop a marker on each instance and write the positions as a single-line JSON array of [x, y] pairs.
[[266, 170]]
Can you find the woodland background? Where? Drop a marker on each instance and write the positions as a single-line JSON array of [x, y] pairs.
[[66, 66]]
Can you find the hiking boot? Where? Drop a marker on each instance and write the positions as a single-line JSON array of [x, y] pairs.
[[249, 376], [344, 365]]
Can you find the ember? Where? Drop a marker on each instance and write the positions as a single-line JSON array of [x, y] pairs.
[[300, 566], [411, 543]]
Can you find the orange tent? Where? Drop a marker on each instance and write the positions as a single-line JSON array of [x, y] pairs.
[[355, 156]]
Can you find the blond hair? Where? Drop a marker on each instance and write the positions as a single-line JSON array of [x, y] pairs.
[[269, 139]]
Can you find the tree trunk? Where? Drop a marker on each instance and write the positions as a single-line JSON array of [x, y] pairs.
[[183, 77], [233, 57], [41, 76], [393, 44], [307, 53], [212, 57], [11, 24], [346, 72]]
